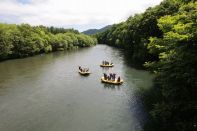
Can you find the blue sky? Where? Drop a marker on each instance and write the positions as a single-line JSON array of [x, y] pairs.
[[78, 14]]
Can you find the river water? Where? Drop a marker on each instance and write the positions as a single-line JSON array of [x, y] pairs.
[[46, 93]]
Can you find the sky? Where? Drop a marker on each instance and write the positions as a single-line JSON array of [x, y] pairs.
[[77, 14]]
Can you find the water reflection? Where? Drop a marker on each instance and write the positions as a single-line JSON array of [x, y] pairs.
[[111, 86]]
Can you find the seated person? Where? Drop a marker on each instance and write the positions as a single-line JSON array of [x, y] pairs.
[[118, 80], [105, 76], [87, 69]]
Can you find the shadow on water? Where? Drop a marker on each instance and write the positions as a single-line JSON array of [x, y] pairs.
[[142, 81], [127, 56], [83, 76]]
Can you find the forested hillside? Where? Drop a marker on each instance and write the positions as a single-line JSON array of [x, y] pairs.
[[164, 39], [24, 40], [94, 31]]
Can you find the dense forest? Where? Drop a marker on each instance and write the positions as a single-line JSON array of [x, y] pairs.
[[23, 40], [164, 40]]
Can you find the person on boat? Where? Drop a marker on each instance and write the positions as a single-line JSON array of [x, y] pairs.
[[108, 77], [87, 69], [118, 80], [111, 75], [114, 76], [80, 68], [105, 76], [111, 63]]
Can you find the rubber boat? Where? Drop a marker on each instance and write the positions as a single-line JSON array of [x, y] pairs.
[[110, 65], [111, 82], [84, 73]]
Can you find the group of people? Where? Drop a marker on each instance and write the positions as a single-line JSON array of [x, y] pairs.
[[83, 69], [111, 77], [106, 63]]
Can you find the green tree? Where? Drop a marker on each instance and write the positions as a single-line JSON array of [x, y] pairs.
[[5, 41], [24, 40], [176, 70]]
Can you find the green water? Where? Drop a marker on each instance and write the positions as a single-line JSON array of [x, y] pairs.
[[46, 93]]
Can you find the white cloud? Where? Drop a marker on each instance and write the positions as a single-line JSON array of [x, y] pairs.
[[64, 13]]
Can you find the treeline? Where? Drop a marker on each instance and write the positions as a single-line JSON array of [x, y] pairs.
[[164, 39], [23, 40], [55, 30]]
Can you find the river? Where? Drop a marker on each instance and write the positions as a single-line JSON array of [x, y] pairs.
[[46, 93]]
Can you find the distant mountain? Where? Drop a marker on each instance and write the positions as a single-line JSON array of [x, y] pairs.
[[94, 31]]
